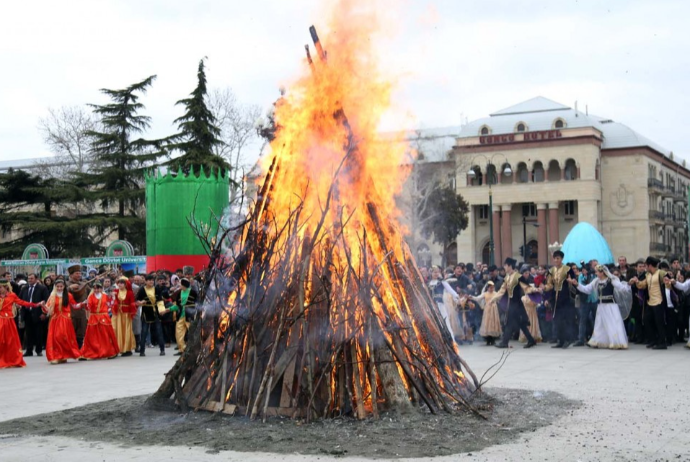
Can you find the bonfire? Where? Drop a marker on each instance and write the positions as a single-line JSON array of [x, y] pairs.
[[313, 306]]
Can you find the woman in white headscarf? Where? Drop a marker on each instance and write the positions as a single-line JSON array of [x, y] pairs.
[[615, 298]]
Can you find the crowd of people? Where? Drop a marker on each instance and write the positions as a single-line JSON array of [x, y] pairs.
[[100, 316], [578, 304]]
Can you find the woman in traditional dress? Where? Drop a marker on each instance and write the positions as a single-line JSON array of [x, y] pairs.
[[491, 320], [99, 341], [62, 340], [124, 308], [531, 299], [609, 330], [437, 291], [10, 345]]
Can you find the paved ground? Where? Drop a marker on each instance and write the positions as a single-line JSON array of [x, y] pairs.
[[636, 406]]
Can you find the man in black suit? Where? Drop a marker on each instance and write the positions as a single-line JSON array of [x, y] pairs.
[[34, 292]]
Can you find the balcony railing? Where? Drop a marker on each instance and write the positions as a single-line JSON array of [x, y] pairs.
[[656, 215], [658, 247], [655, 184]]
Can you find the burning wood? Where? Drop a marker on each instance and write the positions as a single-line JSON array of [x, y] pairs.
[[322, 311]]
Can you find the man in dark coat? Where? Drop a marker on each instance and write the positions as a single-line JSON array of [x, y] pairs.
[[33, 292]]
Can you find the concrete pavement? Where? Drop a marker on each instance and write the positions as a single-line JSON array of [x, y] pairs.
[[636, 406]]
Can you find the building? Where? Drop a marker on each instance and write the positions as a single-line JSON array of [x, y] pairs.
[[549, 166]]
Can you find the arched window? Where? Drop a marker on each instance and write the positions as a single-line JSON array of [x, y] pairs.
[[491, 177], [538, 172], [559, 123], [484, 130], [522, 173], [506, 179], [570, 170], [554, 173], [478, 178], [423, 255], [520, 127]]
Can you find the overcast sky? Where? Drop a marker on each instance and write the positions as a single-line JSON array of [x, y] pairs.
[[456, 60]]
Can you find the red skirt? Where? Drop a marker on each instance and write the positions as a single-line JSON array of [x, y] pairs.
[[10, 346], [62, 341], [99, 341]]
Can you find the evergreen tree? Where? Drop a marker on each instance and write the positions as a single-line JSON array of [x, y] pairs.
[[38, 210], [121, 158], [198, 135]]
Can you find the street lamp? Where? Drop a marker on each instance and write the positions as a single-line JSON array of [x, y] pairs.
[[507, 171]]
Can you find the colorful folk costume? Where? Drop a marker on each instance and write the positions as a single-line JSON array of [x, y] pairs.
[[124, 309], [656, 302], [62, 341], [152, 306], [530, 300], [185, 309], [513, 290], [561, 301], [615, 302], [79, 291], [491, 321], [100, 340], [10, 345], [437, 291]]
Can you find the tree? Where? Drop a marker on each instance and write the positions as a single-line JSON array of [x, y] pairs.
[[198, 135], [444, 215], [237, 123], [121, 158], [67, 133], [35, 209]]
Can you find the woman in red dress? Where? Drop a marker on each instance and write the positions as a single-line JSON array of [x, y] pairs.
[[99, 341], [62, 341], [10, 346]]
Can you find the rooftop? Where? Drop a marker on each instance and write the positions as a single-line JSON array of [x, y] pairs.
[[541, 113]]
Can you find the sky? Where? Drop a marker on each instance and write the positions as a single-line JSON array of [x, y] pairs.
[[452, 60]]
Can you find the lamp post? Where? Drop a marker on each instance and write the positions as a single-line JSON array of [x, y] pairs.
[[507, 171]]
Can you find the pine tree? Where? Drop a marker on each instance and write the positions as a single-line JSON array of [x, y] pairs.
[[198, 135], [121, 159], [37, 210]]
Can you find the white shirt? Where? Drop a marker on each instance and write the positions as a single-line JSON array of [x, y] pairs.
[[669, 302]]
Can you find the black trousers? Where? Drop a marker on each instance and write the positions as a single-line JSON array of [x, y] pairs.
[[516, 321], [34, 331], [655, 324], [671, 325], [565, 318]]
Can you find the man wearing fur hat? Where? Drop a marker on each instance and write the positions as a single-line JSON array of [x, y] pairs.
[[516, 319], [79, 293], [564, 309]]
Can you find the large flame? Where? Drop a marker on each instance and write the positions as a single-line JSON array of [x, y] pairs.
[[310, 140]]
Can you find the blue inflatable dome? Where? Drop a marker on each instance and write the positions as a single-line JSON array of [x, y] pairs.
[[584, 242]]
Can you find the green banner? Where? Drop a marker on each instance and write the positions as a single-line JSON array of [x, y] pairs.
[[36, 262], [137, 260]]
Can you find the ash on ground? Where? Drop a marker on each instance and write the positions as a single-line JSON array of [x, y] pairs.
[[129, 422]]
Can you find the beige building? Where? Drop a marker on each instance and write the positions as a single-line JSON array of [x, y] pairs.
[[548, 167]]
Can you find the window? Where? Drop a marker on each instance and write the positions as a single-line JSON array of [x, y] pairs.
[[569, 209], [521, 127], [483, 212], [558, 124], [522, 173], [484, 130], [538, 173], [529, 210], [570, 170]]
